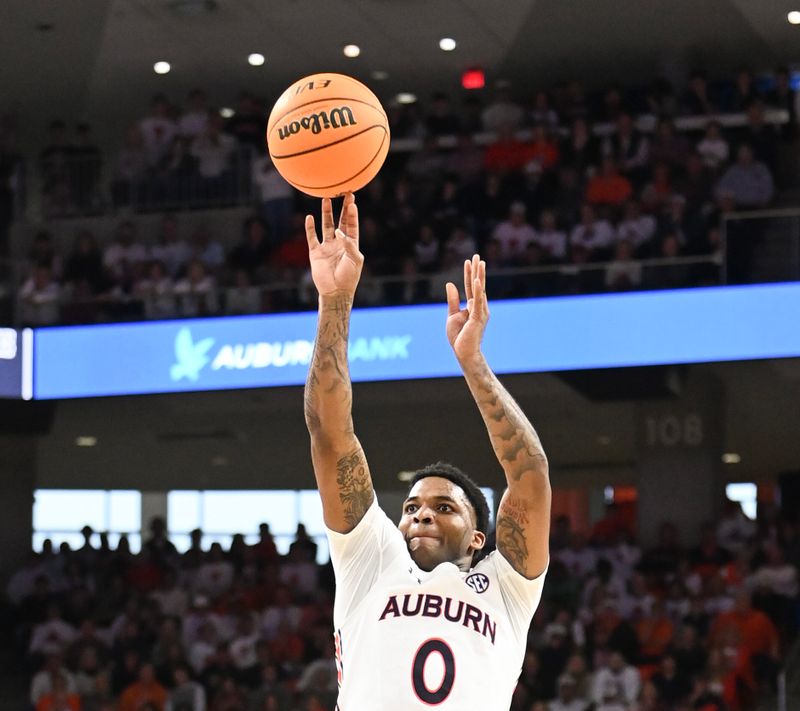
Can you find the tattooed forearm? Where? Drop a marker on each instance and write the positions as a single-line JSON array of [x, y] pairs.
[[328, 394], [515, 442], [512, 518], [355, 486]]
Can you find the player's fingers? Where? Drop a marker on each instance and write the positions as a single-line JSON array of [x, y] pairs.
[[453, 306], [479, 306], [311, 233], [350, 246], [476, 266], [349, 198], [468, 278], [482, 275], [352, 221], [327, 220]]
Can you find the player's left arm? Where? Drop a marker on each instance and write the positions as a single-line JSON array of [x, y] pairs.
[[523, 519]]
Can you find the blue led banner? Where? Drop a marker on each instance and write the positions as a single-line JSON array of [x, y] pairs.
[[15, 363], [530, 335]]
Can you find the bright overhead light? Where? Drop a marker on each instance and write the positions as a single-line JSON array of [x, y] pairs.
[[86, 441], [731, 458], [406, 475], [255, 59], [448, 44], [226, 112], [405, 97], [380, 75], [351, 50], [161, 67], [794, 17]]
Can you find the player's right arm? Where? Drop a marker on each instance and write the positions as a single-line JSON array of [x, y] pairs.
[[340, 466]]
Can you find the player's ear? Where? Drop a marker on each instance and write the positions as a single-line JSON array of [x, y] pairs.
[[478, 540]]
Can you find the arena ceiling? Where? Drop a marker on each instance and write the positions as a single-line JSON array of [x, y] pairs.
[[93, 59]]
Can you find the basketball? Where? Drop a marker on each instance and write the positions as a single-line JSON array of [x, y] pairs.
[[327, 135]]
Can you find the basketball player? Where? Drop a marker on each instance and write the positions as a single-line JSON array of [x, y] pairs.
[[417, 626]]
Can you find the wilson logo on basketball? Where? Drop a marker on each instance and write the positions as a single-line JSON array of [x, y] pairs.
[[318, 122]]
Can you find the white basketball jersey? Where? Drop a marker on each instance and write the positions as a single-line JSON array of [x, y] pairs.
[[409, 639]]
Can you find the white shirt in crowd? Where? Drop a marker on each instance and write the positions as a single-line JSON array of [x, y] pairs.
[[637, 231], [714, 152], [213, 154], [193, 123], [39, 306], [117, 254], [270, 184], [553, 242], [157, 133], [598, 235], [513, 239], [616, 689]]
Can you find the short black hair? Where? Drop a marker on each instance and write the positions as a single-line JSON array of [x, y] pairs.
[[469, 487]]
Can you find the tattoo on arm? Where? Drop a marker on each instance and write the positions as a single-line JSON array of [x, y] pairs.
[[512, 518], [513, 437], [355, 486]]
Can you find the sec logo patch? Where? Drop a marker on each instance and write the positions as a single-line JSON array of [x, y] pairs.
[[478, 582]]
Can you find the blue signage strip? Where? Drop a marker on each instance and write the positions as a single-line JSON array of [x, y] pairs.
[[530, 335], [13, 345]]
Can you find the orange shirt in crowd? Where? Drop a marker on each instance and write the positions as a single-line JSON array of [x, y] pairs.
[[608, 190], [139, 693], [48, 702], [754, 630]]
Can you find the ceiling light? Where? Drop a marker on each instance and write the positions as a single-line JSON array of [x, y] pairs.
[[351, 50], [161, 67], [219, 461], [794, 17], [380, 75], [255, 59], [226, 112], [86, 441], [405, 475], [731, 458], [448, 44], [405, 97]]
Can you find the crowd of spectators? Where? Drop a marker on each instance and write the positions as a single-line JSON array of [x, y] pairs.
[[565, 194], [670, 627]]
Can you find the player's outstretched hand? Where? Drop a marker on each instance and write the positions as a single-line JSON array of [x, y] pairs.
[[336, 261], [465, 327]]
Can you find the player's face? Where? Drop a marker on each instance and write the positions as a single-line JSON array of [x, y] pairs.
[[438, 524]]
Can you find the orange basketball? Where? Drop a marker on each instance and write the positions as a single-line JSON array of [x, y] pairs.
[[328, 134]]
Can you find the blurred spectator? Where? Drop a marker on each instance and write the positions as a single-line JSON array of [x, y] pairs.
[[542, 113], [552, 240], [744, 91], [44, 681], [194, 120], [243, 297], [185, 692], [636, 228], [735, 531], [129, 170], [714, 149], [158, 130], [441, 120], [204, 248], [567, 698], [275, 196], [608, 187], [214, 152], [762, 137], [170, 249], [145, 690], [157, 291], [43, 253], [39, 299], [196, 292], [616, 684], [748, 181], [669, 146], [581, 149], [466, 161], [426, 250], [514, 234], [503, 113], [250, 253], [54, 164], [628, 147], [696, 99], [543, 150], [593, 235], [623, 273], [783, 96], [124, 255], [84, 265], [247, 124], [59, 698]]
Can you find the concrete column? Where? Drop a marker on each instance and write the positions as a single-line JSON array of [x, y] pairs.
[[679, 446], [17, 483]]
